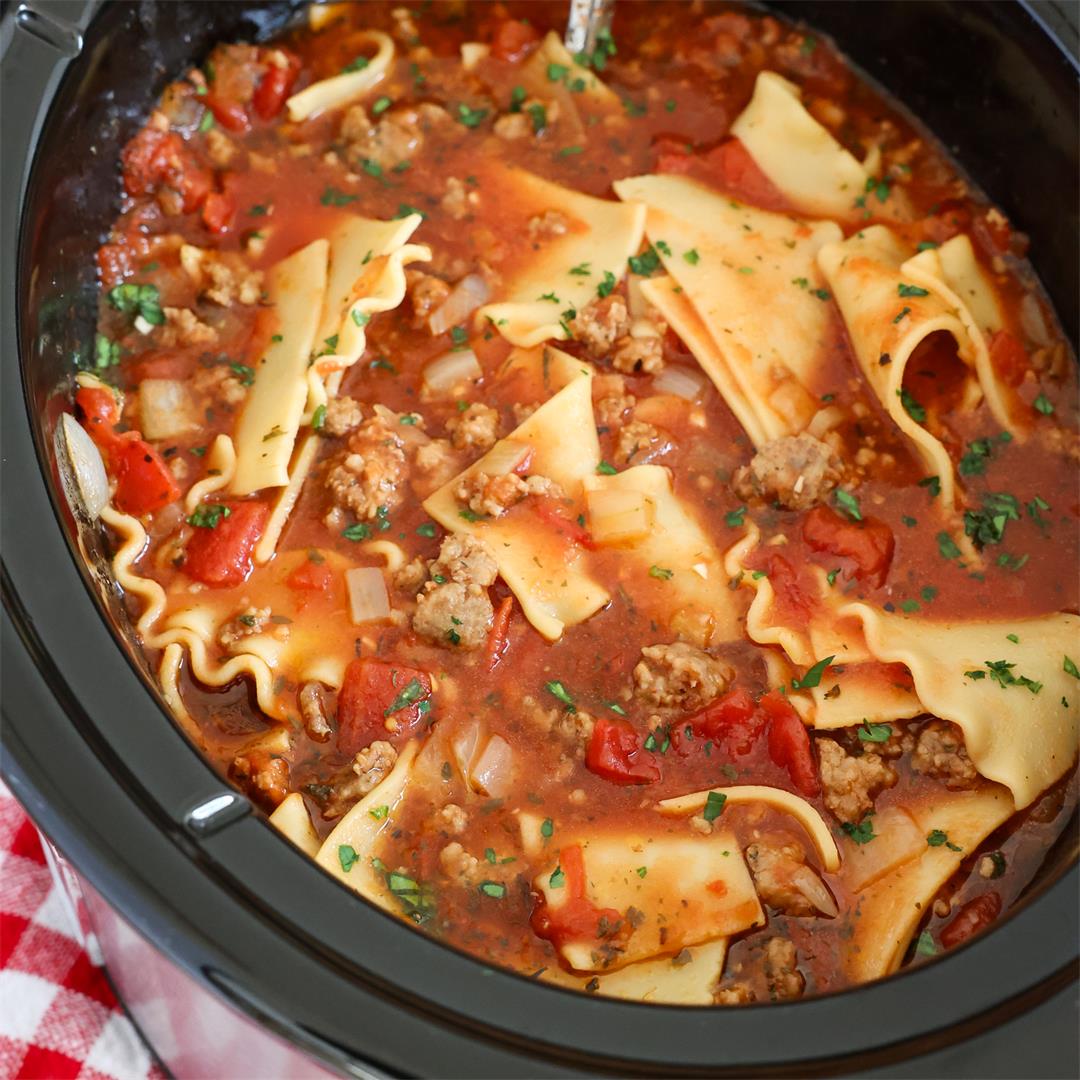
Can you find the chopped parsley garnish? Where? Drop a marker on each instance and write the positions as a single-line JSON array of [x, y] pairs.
[[615, 707], [925, 945], [692, 256], [1070, 668], [928, 593], [634, 108], [557, 879], [359, 531], [208, 515], [459, 336], [733, 519], [470, 515], [557, 690], [987, 526], [714, 805], [932, 485], [557, 72], [1044, 405], [813, 675], [332, 196], [937, 838], [106, 352], [979, 452], [947, 546], [662, 573], [379, 812], [581, 270], [911, 290], [911, 406], [380, 363], [372, 168], [415, 899], [1001, 673], [517, 98], [380, 105], [358, 64], [644, 264], [832, 575], [862, 833], [848, 503], [641, 871], [495, 889], [361, 318], [874, 733], [910, 522], [411, 693], [998, 859], [903, 313], [141, 301], [567, 151], [453, 636], [604, 50], [207, 121], [404, 210], [259, 210], [245, 374], [1013, 638], [318, 418], [347, 856], [547, 828], [927, 245], [605, 468], [427, 529], [470, 117], [607, 285], [538, 115]]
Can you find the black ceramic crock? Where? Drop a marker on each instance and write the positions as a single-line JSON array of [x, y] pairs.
[[178, 854]]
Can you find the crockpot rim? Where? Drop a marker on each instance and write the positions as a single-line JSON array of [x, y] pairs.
[[43, 630]]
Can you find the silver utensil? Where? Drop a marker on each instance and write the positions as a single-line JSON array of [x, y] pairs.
[[586, 19]]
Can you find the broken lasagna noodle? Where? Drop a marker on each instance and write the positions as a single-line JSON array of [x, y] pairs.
[[615, 512]]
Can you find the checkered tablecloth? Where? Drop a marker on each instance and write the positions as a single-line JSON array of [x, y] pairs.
[[58, 1015]]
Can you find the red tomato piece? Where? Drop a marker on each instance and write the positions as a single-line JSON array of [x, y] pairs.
[[789, 589], [577, 918], [974, 916], [154, 159], [96, 409], [553, 512], [218, 212], [311, 577], [1008, 357], [221, 556], [274, 87], [789, 743], [375, 692], [499, 636], [731, 721], [229, 114], [616, 753], [869, 543], [144, 482], [729, 167], [513, 39]]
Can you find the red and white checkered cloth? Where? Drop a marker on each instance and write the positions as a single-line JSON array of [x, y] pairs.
[[58, 1015]]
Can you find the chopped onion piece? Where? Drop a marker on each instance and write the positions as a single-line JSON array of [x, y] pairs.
[[681, 381], [617, 515], [493, 771], [408, 432], [466, 296], [813, 888], [825, 420], [368, 599], [898, 839], [449, 371], [465, 742], [85, 481], [506, 456], [166, 410], [472, 52]]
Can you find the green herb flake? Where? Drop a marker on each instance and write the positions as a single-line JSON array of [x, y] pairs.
[[692, 256], [848, 503], [937, 838], [332, 196], [1070, 668], [925, 945], [495, 889], [470, 117], [733, 519], [358, 64], [607, 285], [605, 468], [557, 879], [557, 690], [662, 573], [379, 812], [318, 418], [862, 833], [207, 121], [347, 856], [139, 301], [547, 828], [947, 546], [380, 105], [412, 692], [932, 485], [927, 245], [910, 522], [360, 531], [911, 290], [813, 675], [902, 314], [641, 871], [1044, 405], [208, 515], [874, 733], [911, 406], [714, 805], [644, 264], [427, 529]]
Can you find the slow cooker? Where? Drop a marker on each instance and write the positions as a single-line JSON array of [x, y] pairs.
[[235, 955]]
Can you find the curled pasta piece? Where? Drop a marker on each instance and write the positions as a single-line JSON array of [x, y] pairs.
[[391, 552], [220, 466], [344, 89], [778, 799]]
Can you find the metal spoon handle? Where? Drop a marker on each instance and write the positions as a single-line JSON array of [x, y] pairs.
[[586, 19]]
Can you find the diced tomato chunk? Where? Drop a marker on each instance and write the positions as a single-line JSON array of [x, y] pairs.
[[311, 577], [553, 512], [96, 409], [144, 482], [868, 543], [375, 693], [1008, 357], [229, 114], [218, 212], [499, 636], [513, 39], [732, 722], [577, 918], [729, 167], [974, 916], [155, 159], [221, 556], [274, 87], [791, 593], [789, 743], [615, 752]]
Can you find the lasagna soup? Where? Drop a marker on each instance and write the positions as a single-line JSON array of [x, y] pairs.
[[615, 511]]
